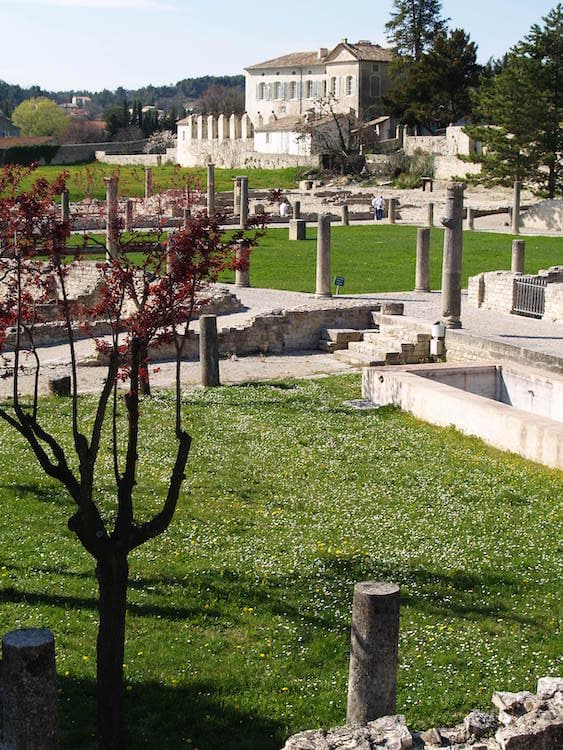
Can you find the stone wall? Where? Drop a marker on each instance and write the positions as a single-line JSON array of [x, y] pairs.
[[72, 153], [522, 721], [142, 160], [554, 302], [493, 290], [448, 167]]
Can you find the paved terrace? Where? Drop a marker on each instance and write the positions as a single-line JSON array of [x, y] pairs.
[[527, 333]]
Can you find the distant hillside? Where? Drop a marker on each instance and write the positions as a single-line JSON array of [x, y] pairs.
[[164, 97]]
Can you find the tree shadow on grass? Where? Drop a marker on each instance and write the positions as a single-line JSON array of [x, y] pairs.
[[160, 716], [461, 594]]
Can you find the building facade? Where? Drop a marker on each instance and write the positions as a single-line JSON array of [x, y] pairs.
[[354, 77]]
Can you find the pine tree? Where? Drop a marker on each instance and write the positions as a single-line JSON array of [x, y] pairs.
[[413, 26], [435, 90], [522, 107]]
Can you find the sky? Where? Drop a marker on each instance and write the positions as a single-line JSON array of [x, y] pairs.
[[97, 44]]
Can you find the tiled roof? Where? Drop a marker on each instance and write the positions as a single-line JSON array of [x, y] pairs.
[[366, 51], [297, 59], [361, 51]]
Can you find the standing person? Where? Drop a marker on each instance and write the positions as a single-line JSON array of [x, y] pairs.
[[379, 206], [373, 207], [284, 208]]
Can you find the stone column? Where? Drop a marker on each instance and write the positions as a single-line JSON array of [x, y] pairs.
[[323, 256], [210, 189], [451, 266], [148, 182], [297, 209], [470, 219], [236, 195], [242, 272], [391, 210], [372, 685], [112, 217], [422, 283], [65, 206], [243, 202], [430, 215], [516, 207], [29, 690], [297, 229], [345, 214], [129, 215], [518, 250], [209, 351]]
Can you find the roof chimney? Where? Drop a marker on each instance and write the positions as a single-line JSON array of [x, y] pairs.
[[323, 52]]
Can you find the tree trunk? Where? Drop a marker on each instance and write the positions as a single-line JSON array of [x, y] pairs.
[[112, 574]]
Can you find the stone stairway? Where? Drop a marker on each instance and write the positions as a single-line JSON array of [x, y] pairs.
[[387, 343]]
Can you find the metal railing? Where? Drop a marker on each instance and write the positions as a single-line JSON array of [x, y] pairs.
[[529, 296]]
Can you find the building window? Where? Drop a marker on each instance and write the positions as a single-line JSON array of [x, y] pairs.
[[268, 138], [349, 85], [325, 88], [375, 87], [375, 68], [333, 86], [277, 90], [293, 90], [261, 90], [310, 90]]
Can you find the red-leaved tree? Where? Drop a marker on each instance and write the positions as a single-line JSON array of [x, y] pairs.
[[145, 304]]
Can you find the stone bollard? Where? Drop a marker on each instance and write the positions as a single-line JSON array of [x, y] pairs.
[[297, 229], [243, 202], [323, 256], [470, 219], [59, 386], [65, 206], [242, 273], [297, 209], [129, 215], [516, 207], [422, 282], [210, 189], [392, 210], [345, 213], [29, 690], [518, 252], [451, 265], [148, 182], [209, 351], [430, 215], [372, 684], [112, 217]]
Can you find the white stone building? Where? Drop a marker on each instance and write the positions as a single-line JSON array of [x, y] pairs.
[[355, 76]]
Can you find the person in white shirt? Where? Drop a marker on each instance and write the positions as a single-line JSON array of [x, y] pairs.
[[378, 205]]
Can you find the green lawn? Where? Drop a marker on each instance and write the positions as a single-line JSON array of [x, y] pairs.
[[382, 258], [238, 625], [87, 179]]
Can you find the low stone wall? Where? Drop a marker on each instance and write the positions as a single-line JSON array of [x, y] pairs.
[[553, 302], [281, 331], [448, 167], [463, 347], [493, 290], [71, 153], [522, 721], [141, 160]]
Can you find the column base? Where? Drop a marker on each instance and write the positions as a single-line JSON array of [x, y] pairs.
[[452, 322]]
